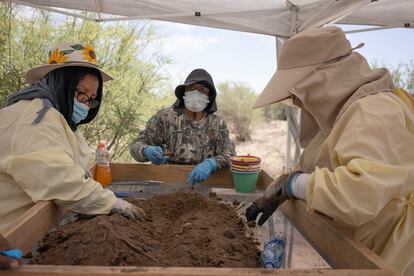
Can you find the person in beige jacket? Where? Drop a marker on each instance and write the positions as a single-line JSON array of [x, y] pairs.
[[357, 131], [43, 155]]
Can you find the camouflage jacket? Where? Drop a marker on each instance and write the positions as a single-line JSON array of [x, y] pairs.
[[190, 141]]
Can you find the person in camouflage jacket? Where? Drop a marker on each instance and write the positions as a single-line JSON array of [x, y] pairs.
[[188, 132]]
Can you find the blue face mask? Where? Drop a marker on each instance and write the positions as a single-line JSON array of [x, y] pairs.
[[80, 111]]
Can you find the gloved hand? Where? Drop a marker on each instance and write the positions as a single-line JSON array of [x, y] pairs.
[[8, 255], [275, 194], [128, 210], [155, 154], [202, 171]]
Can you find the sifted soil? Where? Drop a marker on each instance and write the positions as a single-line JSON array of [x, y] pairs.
[[182, 229]]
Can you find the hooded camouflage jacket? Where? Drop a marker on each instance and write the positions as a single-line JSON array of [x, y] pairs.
[[190, 141]]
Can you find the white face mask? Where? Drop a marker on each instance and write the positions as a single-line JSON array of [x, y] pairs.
[[195, 101]]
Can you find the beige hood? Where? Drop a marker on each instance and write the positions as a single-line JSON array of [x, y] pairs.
[[320, 69], [327, 93]]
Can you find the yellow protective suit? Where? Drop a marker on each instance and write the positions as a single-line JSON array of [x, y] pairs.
[[362, 175], [47, 161]]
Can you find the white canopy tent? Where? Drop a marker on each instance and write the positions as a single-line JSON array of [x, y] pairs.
[[279, 18]]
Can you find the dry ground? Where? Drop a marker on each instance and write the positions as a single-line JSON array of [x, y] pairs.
[[269, 143]]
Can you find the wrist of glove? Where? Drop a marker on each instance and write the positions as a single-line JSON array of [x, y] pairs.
[[8, 255], [275, 194], [155, 154], [128, 210], [202, 171]]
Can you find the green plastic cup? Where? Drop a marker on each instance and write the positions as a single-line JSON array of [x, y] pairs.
[[245, 182]]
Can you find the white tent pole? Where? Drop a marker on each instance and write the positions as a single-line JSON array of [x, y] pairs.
[[98, 10], [293, 18], [187, 14], [149, 16], [285, 263], [165, 18], [292, 128], [332, 12], [292, 123], [279, 43], [309, 21], [52, 10], [405, 25]]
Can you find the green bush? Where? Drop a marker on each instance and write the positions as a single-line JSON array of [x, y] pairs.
[[235, 102], [274, 112], [402, 74]]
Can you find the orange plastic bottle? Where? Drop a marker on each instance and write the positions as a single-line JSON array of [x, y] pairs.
[[103, 171]]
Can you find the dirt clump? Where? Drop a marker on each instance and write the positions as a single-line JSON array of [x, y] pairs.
[[182, 229]]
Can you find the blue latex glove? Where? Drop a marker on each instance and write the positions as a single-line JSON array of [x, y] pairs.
[[155, 154], [202, 171], [12, 253], [126, 194], [8, 255]]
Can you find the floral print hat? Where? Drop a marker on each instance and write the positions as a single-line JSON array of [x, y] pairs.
[[68, 54]]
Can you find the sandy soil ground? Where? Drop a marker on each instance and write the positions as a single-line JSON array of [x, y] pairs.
[[269, 143]]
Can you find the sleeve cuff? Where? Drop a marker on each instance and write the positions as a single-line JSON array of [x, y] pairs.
[[299, 185]]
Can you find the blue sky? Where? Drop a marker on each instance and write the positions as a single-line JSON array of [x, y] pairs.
[[251, 58]]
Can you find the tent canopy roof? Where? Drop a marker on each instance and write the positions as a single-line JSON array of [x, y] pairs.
[[271, 17]]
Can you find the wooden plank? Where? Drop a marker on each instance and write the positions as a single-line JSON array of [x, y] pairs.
[[32, 225], [332, 244], [172, 173], [165, 173], [48, 270]]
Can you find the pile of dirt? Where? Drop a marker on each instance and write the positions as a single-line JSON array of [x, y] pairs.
[[182, 229]]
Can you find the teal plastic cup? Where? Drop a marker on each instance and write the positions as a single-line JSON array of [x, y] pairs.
[[245, 182]]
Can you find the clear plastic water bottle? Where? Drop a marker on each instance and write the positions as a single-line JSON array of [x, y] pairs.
[[273, 252]]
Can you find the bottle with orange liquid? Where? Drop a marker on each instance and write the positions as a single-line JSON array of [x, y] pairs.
[[103, 171]]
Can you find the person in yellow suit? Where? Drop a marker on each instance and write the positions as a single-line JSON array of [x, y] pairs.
[[357, 165], [43, 155]]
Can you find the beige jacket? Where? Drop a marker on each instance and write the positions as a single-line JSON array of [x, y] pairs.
[[362, 175], [47, 161]]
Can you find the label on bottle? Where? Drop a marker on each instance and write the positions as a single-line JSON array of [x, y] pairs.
[[102, 156], [103, 171]]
